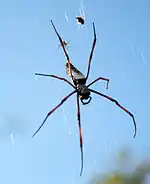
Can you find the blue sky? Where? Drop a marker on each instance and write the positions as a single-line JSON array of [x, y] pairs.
[[28, 44]]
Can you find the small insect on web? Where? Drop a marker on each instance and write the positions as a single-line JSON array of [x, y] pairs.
[[82, 90], [81, 19]]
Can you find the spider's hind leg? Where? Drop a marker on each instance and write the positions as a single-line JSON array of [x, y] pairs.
[[62, 44], [92, 51]]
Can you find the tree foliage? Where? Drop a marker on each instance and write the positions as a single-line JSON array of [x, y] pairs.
[[127, 172]]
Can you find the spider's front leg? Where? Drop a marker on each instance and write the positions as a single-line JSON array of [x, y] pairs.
[[80, 133], [118, 104], [62, 101]]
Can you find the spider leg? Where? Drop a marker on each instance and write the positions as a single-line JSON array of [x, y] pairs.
[[56, 107], [62, 44], [80, 133], [56, 77], [117, 103], [91, 54], [99, 78]]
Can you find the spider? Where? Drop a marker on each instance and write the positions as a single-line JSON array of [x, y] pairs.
[[66, 44], [81, 89]]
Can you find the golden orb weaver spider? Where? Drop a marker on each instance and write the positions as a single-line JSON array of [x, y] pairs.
[[83, 91]]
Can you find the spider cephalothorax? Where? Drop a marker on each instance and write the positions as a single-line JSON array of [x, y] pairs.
[[84, 93], [81, 89]]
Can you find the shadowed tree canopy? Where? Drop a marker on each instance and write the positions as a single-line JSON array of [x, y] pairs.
[[126, 172]]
